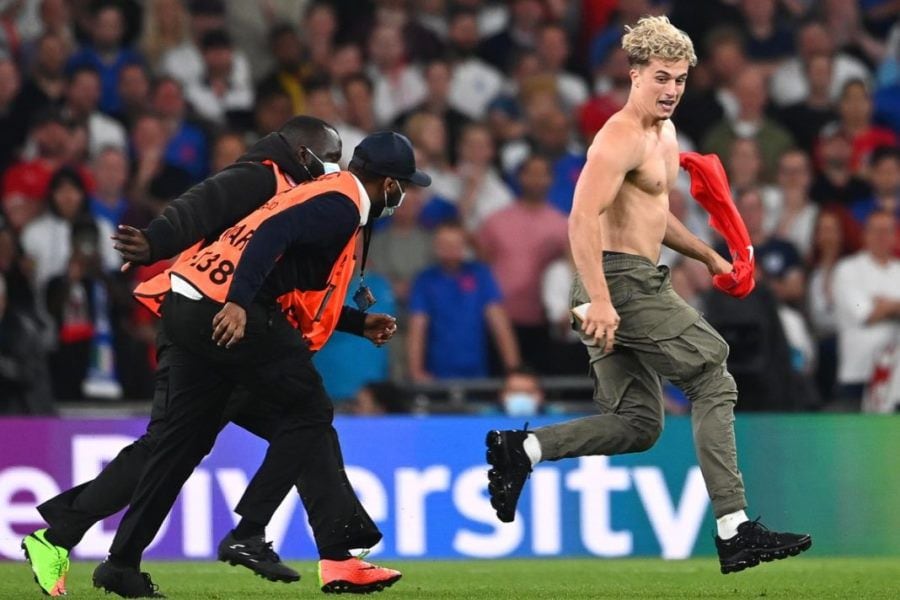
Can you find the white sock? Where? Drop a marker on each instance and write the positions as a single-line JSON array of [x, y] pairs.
[[532, 448], [728, 524]]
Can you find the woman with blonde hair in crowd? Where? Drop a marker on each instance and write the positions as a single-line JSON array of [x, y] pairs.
[[165, 28]]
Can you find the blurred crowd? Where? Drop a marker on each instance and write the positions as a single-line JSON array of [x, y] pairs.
[[109, 109]]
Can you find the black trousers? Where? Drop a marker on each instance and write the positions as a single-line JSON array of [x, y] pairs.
[[337, 518]]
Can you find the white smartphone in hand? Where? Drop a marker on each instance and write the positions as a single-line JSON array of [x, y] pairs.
[[580, 313]]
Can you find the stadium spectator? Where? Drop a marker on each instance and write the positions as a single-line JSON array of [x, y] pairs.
[[867, 301], [358, 91], [227, 148], [106, 53], [835, 181], [805, 119], [46, 83], [844, 23], [797, 214], [46, 240], [833, 239], [475, 83], [855, 123], [553, 53], [611, 85], [727, 61], [566, 353], [185, 61], [884, 178], [319, 29], [744, 167], [453, 306], [187, 146], [134, 93], [609, 38], [271, 110], [149, 140], [109, 203], [750, 121], [82, 102], [165, 28], [54, 18], [766, 37], [429, 137], [522, 394], [24, 377], [289, 72], [483, 191], [320, 103], [403, 249], [789, 83], [521, 33], [438, 76], [398, 85], [346, 61], [14, 112], [222, 95], [519, 243]]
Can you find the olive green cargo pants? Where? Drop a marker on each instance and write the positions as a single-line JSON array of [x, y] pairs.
[[659, 335]]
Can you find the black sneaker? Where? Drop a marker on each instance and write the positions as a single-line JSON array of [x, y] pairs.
[[256, 554], [511, 467], [127, 582], [754, 543]]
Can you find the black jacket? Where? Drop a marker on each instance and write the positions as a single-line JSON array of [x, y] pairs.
[[212, 206]]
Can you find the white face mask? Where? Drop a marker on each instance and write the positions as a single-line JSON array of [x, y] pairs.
[[389, 210], [520, 404], [327, 167]]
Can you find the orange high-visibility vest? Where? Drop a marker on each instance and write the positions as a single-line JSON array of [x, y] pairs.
[[314, 312], [150, 293]]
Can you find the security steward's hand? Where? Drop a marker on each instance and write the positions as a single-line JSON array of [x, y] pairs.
[[132, 244], [228, 325], [601, 322], [380, 328]]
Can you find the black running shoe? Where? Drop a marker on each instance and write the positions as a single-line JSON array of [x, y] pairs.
[[127, 582], [754, 543], [256, 554], [511, 467]]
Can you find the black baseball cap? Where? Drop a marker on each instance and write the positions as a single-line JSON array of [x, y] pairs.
[[389, 154]]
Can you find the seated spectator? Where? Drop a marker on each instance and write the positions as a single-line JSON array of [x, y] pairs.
[[453, 306], [14, 112], [867, 300], [320, 103], [744, 166], [149, 139], [833, 239], [766, 38], [519, 243], [750, 121], [522, 394], [359, 108], [475, 83], [187, 147], [290, 72], [109, 202], [134, 93], [520, 34], [428, 134], [884, 177], [165, 27], [221, 96], [46, 83], [82, 106], [344, 378], [855, 123], [438, 76], [24, 378], [398, 84], [805, 119], [835, 181], [381, 398], [612, 84], [227, 148], [553, 52], [796, 214], [272, 110], [47, 240], [506, 112], [789, 83], [106, 53]]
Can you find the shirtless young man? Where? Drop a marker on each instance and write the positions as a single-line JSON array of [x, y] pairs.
[[636, 327]]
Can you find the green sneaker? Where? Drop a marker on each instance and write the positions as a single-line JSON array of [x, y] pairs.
[[50, 563]]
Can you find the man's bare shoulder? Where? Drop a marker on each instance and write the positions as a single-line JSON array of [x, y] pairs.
[[621, 138]]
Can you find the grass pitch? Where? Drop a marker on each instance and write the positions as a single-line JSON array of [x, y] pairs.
[[794, 578]]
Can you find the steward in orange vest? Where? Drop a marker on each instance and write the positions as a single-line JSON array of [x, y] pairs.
[[227, 329]]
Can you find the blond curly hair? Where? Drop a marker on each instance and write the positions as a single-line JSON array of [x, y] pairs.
[[656, 37]]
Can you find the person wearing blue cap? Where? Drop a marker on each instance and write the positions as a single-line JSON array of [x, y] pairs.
[[225, 321]]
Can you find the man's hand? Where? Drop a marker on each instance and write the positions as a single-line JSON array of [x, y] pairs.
[[718, 265], [600, 322], [228, 325], [380, 328], [133, 245]]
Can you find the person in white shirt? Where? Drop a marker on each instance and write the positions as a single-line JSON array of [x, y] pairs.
[[82, 101], [796, 212], [867, 298], [553, 52], [221, 90], [483, 191], [789, 84], [475, 83], [398, 85]]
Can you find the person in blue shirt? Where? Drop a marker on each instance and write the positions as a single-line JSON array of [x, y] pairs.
[[106, 53], [453, 306]]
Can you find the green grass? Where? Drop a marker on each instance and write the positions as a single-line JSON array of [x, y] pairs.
[[795, 578]]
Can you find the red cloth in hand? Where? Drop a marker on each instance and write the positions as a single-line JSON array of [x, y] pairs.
[[709, 185]]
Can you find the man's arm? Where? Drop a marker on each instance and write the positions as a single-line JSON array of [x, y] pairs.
[[615, 151], [502, 332], [681, 240], [208, 208]]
